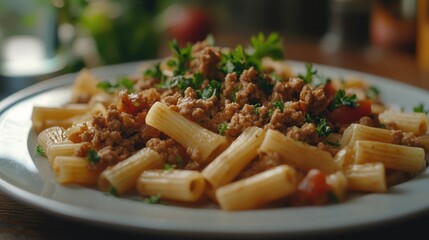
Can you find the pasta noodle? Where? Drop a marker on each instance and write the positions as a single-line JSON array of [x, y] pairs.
[[123, 176], [296, 153], [230, 163], [235, 127], [180, 185], [257, 190], [189, 134]]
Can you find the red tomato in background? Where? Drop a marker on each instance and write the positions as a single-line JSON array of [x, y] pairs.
[[187, 24]]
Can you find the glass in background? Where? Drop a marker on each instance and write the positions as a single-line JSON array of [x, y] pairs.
[[27, 43]]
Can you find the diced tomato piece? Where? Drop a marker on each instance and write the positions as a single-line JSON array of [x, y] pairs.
[[347, 115], [329, 90], [130, 103], [312, 190]]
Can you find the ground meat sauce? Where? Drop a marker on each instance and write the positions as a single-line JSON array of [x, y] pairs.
[[244, 99]]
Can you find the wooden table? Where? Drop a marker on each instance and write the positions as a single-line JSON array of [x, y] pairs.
[[19, 221]]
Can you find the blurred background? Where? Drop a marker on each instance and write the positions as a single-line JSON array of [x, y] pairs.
[[43, 38]]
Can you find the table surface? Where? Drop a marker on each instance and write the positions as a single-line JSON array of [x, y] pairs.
[[20, 221]]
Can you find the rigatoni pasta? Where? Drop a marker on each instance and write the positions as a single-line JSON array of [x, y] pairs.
[[235, 127]]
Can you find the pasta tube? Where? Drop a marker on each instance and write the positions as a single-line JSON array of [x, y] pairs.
[[61, 149], [296, 153], [49, 137], [70, 169], [403, 158], [368, 177], [84, 87], [123, 176], [257, 190], [180, 185], [46, 117], [189, 134], [361, 132], [414, 122], [338, 183], [225, 167]]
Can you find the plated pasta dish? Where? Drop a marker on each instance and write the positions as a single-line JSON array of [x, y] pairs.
[[237, 127]]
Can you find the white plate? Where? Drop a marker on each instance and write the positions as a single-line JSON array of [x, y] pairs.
[[27, 177]]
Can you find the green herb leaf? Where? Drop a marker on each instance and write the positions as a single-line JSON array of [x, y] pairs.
[[154, 72], [212, 89], [341, 99], [92, 156], [323, 128], [154, 199], [112, 191], [182, 57], [266, 47], [169, 167], [40, 151], [179, 161], [121, 83], [235, 61], [420, 108], [266, 87], [279, 104], [309, 73], [372, 92], [222, 127], [335, 144]]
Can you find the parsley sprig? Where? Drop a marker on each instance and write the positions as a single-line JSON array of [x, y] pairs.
[[341, 99], [181, 57], [120, 84], [322, 127], [93, 156], [420, 108], [311, 76], [241, 58], [40, 151]]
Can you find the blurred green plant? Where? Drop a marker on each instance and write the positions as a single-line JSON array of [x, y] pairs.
[[121, 30]]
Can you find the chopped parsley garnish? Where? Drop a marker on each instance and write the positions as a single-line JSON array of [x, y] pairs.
[[122, 83], [182, 57], [92, 156], [154, 199], [266, 47], [112, 191], [234, 94], [309, 72], [335, 144], [420, 108], [372, 92], [341, 99], [322, 127], [194, 82], [169, 167], [179, 161], [256, 108], [266, 87], [312, 77], [40, 151], [279, 104], [212, 89], [222, 127], [154, 72], [235, 61]]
